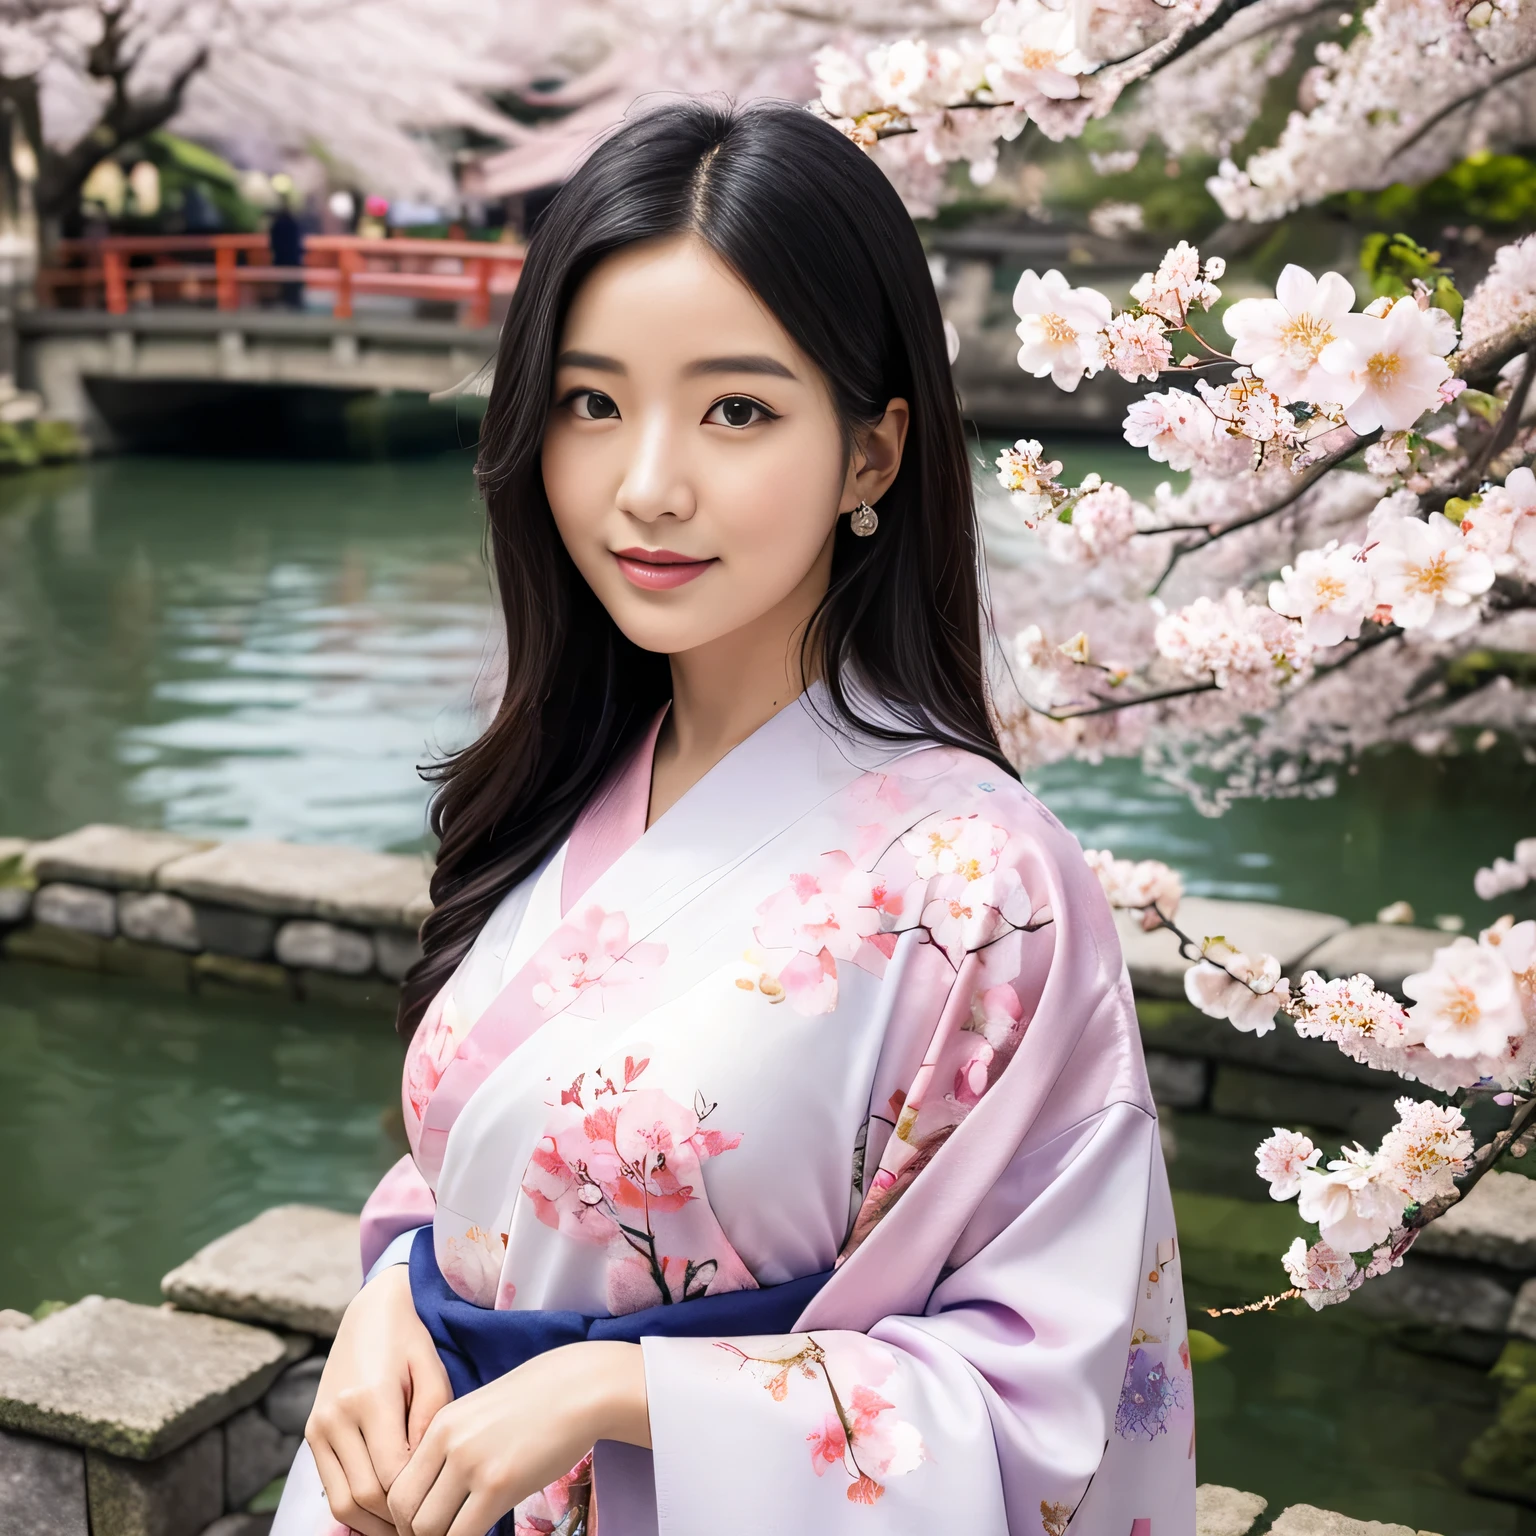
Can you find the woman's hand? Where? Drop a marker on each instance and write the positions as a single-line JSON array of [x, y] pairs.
[[490, 1450], [380, 1389]]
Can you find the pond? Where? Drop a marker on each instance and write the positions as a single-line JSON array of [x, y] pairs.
[[268, 649]]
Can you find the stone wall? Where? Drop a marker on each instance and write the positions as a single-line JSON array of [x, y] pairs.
[[334, 925], [125, 1420]]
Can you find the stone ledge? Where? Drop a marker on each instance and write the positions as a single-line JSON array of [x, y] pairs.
[[119, 858], [1287, 933], [1494, 1224], [1305, 1520], [129, 1380], [346, 885], [294, 1266], [1386, 952], [1226, 1511]]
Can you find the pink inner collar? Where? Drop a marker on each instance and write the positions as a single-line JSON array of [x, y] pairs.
[[612, 821]]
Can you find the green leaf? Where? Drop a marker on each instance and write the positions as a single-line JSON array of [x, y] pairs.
[[1203, 1348]]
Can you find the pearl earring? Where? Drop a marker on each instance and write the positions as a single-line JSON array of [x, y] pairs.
[[863, 520]]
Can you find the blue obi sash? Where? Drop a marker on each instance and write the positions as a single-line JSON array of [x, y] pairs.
[[477, 1345]]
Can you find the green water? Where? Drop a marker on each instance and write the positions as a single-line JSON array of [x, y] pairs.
[[268, 649]]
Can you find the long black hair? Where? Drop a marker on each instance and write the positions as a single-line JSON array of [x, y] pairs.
[[813, 227]]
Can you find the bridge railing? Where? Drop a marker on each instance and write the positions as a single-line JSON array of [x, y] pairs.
[[121, 272]]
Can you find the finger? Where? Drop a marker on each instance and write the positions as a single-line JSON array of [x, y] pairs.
[[477, 1514], [382, 1425], [338, 1495], [351, 1450], [431, 1392], [414, 1481], [443, 1501]]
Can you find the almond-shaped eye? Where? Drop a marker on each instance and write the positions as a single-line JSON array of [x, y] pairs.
[[593, 405], [738, 411]]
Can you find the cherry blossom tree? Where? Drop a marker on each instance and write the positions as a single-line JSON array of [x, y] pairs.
[[357, 81]]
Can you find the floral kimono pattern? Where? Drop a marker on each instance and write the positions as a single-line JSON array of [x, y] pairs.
[[846, 1007]]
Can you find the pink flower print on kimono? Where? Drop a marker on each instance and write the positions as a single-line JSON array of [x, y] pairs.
[[620, 1166], [968, 898], [431, 1050], [587, 953], [858, 1429], [549, 1511], [471, 1262], [960, 1065], [829, 913]]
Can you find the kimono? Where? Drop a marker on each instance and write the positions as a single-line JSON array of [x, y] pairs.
[[849, 1008]]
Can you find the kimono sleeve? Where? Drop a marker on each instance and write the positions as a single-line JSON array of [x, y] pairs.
[[991, 1412]]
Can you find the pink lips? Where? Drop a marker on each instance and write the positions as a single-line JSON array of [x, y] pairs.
[[658, 570]]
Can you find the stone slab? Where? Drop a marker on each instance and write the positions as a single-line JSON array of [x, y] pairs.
[[398, 949], [119, 858], [13, 848], [157, 917], [15, 903], [1241, 1093], [1287, 933], [80, 908], [1306, 1520], [1437, 1295], [290, 1398], [56, 946], [1226, 1511], [295, 1266], [240, 1525], [42, 1487], [1386, 952], [255, 1452], [345, 885], [307, 943], [179, 1494], [130, 1380], [1493, 1224]]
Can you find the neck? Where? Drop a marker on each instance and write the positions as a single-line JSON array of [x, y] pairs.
[[722, 692]]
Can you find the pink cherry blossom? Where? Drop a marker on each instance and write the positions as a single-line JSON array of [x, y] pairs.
[[1354, 1208], [828, 1444], [1323, 1275], [1282, 338], [583, 953], [1282, 1159], [1232, 641], [967, 846], [1179, 283], [824, 908], [1329, 590], [1466, 1004], [1137, 346], [1059, 328], [1247, 990], [1428, 574], [1388, 371], [1137, 885], [1422, 1154]]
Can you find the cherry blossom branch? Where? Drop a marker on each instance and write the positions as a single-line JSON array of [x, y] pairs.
[[1482, 1161], [1327, 463], [1475, 94], [1110, 706]]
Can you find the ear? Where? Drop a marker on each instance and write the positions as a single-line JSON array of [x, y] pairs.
[[876, 457]]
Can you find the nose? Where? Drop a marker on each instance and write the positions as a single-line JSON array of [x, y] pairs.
[[656, 482]]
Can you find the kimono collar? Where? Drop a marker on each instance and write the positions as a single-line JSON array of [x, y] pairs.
[[612, 821]]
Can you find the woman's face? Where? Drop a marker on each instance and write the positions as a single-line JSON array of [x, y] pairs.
[[693, 458]]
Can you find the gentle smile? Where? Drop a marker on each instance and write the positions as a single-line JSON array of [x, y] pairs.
[[656, 570]]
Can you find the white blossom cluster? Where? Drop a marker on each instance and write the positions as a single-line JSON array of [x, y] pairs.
[[1470, 1024]]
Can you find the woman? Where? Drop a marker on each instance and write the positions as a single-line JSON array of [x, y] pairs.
[[778, 1118]]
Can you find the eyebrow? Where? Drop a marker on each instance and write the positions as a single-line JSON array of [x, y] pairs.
[[746, 363]]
